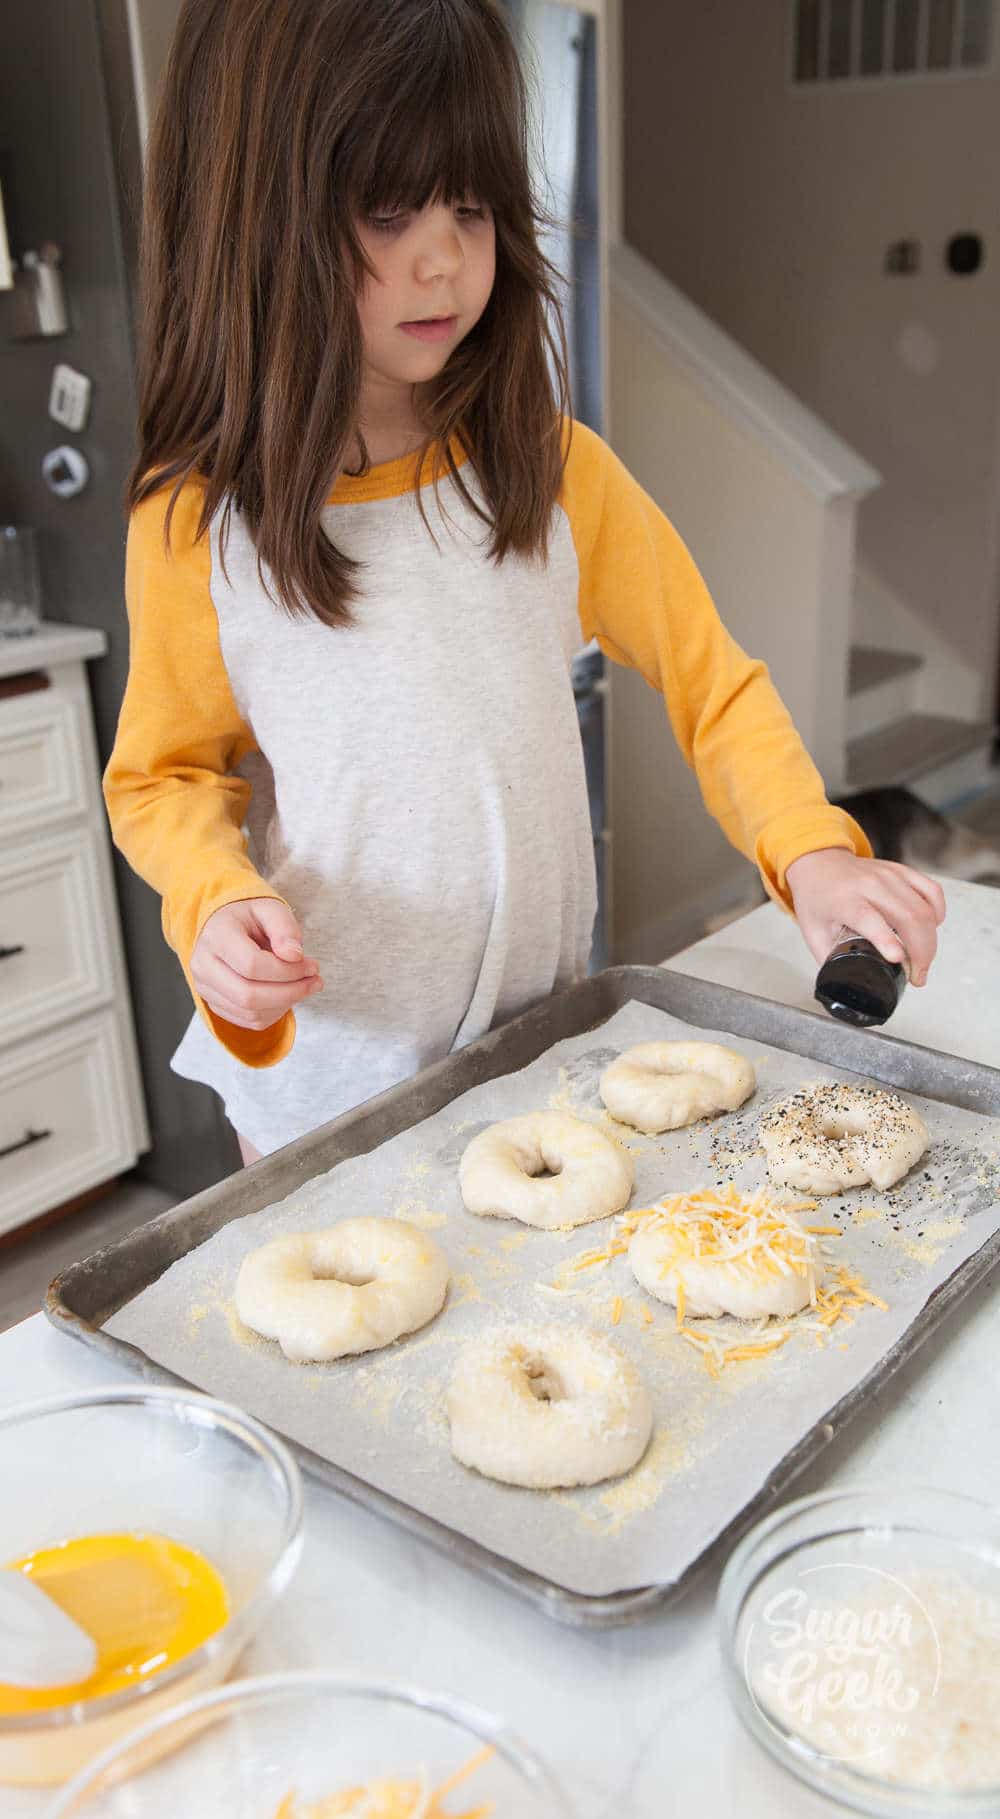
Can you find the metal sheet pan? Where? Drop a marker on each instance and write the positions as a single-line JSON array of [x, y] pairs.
[[85, 1296]]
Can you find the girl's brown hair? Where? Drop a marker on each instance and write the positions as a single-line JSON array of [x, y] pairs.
[[280, 123]]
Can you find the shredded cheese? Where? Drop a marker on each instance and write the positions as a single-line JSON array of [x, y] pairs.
[[588, 1260], [393, 1799], [709, 1225], [841, 1301], [754, 1231], [758, 1231], [468, 1768]]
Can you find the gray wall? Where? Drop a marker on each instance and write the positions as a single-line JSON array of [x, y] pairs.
[[772, 207], [69, 169]]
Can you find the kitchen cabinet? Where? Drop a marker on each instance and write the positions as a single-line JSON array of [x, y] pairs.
[[71, 1105]]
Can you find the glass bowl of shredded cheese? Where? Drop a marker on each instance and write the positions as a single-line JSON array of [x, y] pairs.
[[861, 1635], [317, 1746], [151, 1527]]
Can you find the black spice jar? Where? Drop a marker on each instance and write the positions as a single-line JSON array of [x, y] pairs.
[[858, 984]]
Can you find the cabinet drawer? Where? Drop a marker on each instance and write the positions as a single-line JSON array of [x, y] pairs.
[[54, 956], [63, 1117], [43, 766]]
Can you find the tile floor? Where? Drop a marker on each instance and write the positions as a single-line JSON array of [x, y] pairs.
[[28, 1265]]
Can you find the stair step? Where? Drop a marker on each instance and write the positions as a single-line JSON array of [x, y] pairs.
[[881, 688], [949, 756], [869, 667]]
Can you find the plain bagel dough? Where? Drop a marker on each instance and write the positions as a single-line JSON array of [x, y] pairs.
[[659, 1086], [828, 1138], [547, 1407], [589, 1175], [353, 1288]]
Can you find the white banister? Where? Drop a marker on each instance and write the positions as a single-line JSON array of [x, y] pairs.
[[743, 390]]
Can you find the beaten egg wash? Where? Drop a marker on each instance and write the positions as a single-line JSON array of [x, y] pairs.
[[145, 1600]]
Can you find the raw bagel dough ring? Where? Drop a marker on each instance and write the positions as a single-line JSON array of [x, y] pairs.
[[712, 1288], [591, 1175], [547, 1406], [352, 1288], [659, 1086], [830, 1137]]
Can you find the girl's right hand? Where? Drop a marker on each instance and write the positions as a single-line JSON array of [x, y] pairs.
[[248, 964]]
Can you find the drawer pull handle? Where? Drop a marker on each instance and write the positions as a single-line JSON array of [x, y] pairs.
[[7, 953], [29, 1137], [29, 683]]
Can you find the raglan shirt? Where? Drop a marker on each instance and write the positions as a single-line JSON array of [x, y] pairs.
[[412, 785]]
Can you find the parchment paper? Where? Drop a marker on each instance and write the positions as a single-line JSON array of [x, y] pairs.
[[382, 1416]]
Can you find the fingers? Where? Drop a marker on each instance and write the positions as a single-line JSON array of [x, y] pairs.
[[233, 944], [872, 924], [249, 1003], [819, 936], [928, 888], [280, 929], [237, 971], [242, 935], [905, 919], [894, 907]]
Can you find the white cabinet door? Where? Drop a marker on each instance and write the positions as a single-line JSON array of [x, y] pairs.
[[55, 957], [43, 765], [65, 1117]]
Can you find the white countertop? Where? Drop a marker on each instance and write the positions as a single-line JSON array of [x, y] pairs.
[[51, 644], [636, 1722]]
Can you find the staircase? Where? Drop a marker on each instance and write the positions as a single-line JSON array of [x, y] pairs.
[[892, 739]]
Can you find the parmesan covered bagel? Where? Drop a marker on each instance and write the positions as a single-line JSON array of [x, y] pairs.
[[659, 1086], [547, 1169], [546, 1407], [724, 1252], [828, 1138], [353, 1288]]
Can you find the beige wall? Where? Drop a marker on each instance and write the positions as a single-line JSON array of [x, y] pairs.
[[772, 209]]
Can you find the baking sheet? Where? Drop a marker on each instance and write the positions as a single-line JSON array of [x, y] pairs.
[[715, 1442]]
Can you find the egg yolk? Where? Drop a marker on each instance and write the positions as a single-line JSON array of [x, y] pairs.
[[146, 1601]]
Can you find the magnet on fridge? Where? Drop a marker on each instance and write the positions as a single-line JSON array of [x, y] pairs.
[[39, 294], [65, 471], [69, 398]]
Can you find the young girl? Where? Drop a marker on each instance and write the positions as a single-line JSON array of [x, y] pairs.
[[366, 540]]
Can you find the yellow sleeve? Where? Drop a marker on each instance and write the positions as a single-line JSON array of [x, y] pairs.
[[175, 807], [643, 599]]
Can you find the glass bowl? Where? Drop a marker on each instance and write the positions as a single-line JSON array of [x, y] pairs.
[[860, 1632], [134, 1459], [240, 1751]]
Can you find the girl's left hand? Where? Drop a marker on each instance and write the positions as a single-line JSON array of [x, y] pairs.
[[893, 906]]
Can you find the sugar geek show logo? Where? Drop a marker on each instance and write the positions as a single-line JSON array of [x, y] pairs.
[[845, 1656]]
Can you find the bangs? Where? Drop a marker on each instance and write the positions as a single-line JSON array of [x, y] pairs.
[[436, 126], [281, 125]]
